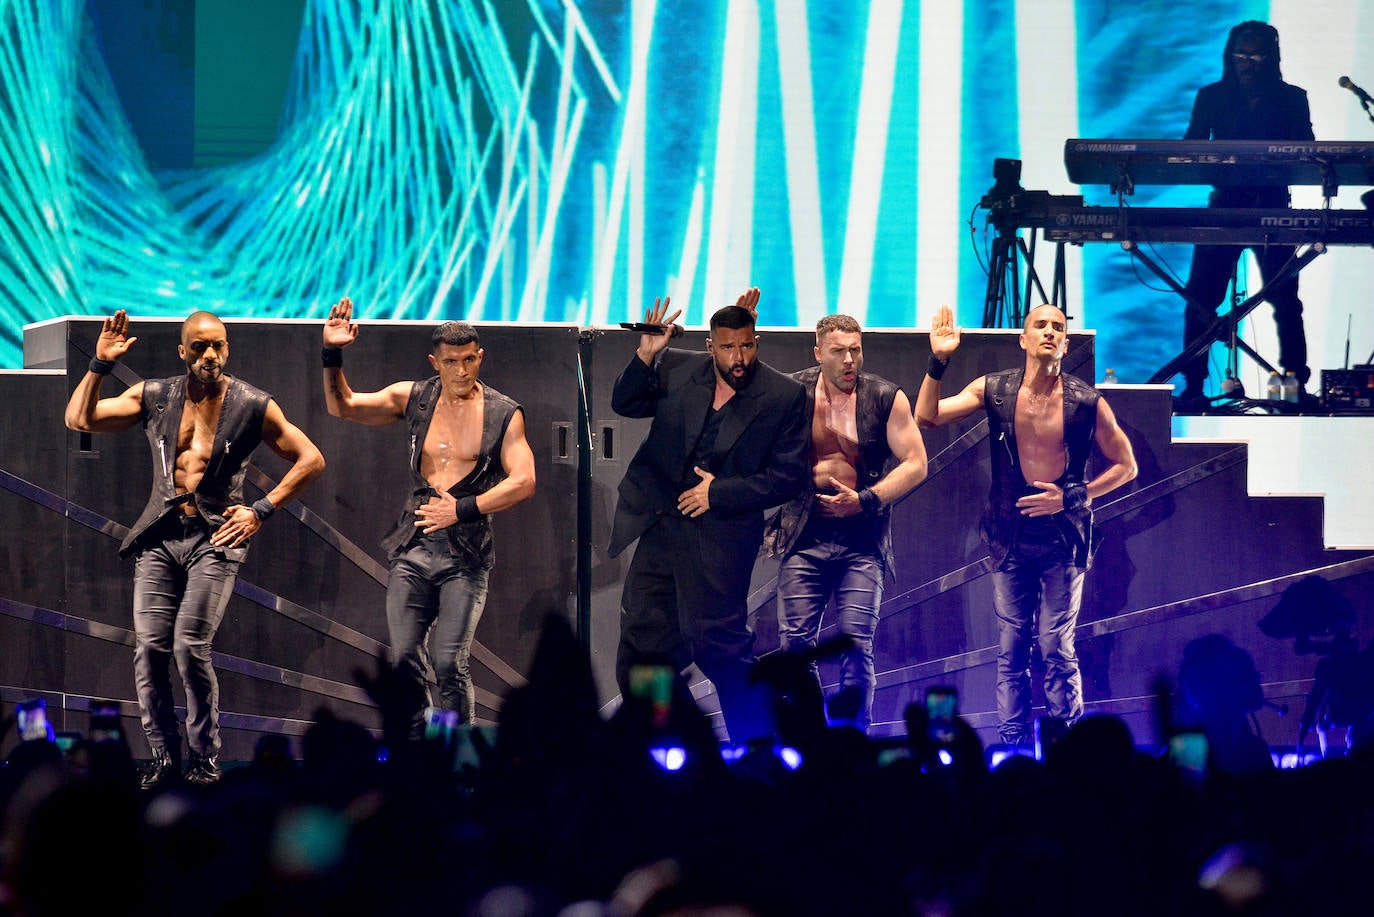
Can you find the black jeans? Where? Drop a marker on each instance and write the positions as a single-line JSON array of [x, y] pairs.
[[430, 590], [181, 587], [1036, 594]]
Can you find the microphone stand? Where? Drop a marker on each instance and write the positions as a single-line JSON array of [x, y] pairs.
[[1359, 94]]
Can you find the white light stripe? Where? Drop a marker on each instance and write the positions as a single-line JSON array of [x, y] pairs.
[[532, 305], [588, 42], [1338, 283], [631, 131], [463, 241], [504, 220], [635, 239], [598, 230], [940, 214], [536, 210], [800, 145], [508, 204], [739, 268], [569, 46], [567, 82], [736, 138], [681, 286], [1047, 103], [870, 155]]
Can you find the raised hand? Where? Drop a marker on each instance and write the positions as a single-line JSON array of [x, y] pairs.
[[114, 340], [944, 334], [339, 329], [651, 344], [749, 299]]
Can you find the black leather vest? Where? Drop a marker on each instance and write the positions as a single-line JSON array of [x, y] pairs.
[[470, 540], [876, 396], [238, 433], [1001, 519]]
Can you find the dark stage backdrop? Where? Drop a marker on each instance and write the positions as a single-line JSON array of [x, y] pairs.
[[309, 607], [1185, 550]]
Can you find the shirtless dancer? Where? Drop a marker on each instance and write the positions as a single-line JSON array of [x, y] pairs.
[[1042, 425], [468, 459], [835, 537], [194, 531]]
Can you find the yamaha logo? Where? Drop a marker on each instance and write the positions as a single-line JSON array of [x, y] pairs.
[[1104, 148]]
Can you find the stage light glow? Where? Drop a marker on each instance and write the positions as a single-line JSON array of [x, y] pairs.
[[1000, 754], [730, 753], [1290, 760], [669, 757]]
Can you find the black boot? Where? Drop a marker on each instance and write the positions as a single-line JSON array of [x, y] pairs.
[[162, 770], [203, 770]]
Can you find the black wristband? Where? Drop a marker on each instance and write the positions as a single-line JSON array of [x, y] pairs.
[[870, 502], [936, 368], [263, 508], [466, 509], [101, 367], [1075, 496], [331, 357]]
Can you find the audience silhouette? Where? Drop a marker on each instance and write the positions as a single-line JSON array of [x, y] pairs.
[[561, 812]]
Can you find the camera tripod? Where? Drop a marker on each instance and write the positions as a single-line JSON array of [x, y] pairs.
[[1005, 305], [1010, 208]]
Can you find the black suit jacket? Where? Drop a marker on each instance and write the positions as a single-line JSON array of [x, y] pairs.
[[761, 453]]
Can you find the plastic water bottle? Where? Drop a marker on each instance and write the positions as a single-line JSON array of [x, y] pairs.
[[1230, 386], [1273, 390], [1291, 388], [1110, 378]]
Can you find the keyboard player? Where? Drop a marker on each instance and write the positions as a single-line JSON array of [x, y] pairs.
[[1250, 102]]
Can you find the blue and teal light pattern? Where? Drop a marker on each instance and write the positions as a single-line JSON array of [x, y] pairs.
[[556, 160]]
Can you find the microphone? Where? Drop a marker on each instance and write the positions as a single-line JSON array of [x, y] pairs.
[[1359, 93], [650, 328]]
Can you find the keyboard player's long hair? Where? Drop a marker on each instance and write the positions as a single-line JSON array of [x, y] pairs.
[[1268, 37]]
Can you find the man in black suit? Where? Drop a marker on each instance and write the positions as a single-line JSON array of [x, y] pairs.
[[1250, 102], [729, 439]]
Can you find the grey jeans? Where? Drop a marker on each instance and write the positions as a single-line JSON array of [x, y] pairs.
[[430, 592], [1036, 594], [182, 585], [838, 557]]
